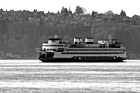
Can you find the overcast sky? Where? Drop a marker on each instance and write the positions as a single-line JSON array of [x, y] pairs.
[[131, 7]]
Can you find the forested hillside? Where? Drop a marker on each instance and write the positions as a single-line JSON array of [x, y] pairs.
[[22, 32]]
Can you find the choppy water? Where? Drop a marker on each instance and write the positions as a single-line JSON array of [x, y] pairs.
[[32, 76]]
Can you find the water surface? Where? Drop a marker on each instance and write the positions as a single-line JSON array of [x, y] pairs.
[[32, 76]]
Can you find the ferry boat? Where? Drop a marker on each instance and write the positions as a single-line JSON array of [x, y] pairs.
[[57, 50]]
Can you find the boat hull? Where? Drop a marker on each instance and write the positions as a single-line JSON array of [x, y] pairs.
[[80, 59]]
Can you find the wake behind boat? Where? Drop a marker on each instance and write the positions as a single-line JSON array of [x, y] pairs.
[[57, 50]]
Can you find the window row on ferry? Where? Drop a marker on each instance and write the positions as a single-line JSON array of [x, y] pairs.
[[92, 52], [93, 49]]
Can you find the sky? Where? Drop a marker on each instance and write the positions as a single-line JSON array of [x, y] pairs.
[[131, 7]]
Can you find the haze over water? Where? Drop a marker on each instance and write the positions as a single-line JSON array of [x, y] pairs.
[[33, 76]]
